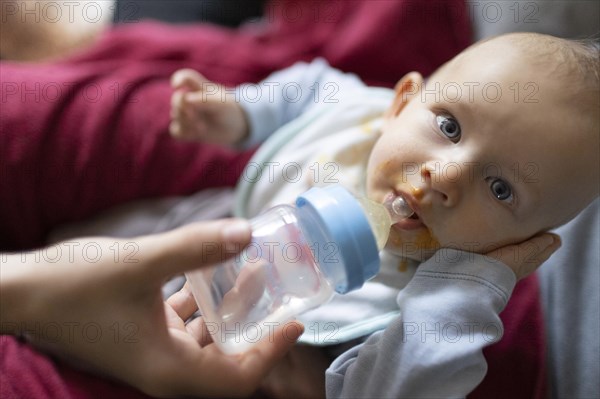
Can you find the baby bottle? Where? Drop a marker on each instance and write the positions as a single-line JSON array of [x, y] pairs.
[[297, 258]]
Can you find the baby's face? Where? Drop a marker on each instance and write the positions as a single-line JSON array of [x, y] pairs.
[[493, 159]]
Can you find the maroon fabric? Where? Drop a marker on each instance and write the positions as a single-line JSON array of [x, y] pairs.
[[91, 132], [92, 147], [25, 373], [517, 364]]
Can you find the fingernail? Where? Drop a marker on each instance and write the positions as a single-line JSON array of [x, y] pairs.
[[292, 331], [237, 231], [556, 240], [548, 240]]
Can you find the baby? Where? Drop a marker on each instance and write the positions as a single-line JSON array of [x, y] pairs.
[[497, 147], [504, 136]]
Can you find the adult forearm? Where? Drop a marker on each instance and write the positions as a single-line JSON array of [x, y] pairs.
[[17, 283]]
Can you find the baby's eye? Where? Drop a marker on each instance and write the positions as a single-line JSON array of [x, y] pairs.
[[500, 189], [449, 127]]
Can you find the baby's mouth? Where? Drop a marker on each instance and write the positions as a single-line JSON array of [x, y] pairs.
[[397, 207], [411, 208], [411, 223]]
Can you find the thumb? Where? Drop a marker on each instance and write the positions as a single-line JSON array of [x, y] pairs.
[[194, 246]]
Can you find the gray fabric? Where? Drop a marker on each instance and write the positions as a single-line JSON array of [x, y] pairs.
[[151, 216], [570, 286], [285, 95], [575, 19]]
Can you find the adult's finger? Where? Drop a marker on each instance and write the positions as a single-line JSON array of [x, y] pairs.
[[541, 255], [256, 363], [198, 330], [192, 246], [183, 302], [525, 257], [202, 371]]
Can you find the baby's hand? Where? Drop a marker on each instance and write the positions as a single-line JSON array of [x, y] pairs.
[[200, 111], [524, 258]]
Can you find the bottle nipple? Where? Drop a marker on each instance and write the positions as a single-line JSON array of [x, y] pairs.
[[382, 216], [397, 207]]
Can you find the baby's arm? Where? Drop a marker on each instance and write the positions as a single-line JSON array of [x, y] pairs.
[[248, 114], [449, 312]]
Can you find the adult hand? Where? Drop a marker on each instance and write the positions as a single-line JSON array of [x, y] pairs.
[[97, 301], [525, 257]]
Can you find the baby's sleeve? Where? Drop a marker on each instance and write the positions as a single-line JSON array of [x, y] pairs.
[[289, 93], [449, 313]]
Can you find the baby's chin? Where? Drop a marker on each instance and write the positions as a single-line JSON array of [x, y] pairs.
[[418, 245], [408, 252]]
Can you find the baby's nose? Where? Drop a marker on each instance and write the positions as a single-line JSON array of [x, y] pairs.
[[444, 181]]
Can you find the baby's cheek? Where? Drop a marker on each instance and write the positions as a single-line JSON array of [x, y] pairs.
[[426, 240]]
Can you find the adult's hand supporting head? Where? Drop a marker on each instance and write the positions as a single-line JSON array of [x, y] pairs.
[[525, 257]]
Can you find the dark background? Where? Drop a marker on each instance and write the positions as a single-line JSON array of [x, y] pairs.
[[223, 12]]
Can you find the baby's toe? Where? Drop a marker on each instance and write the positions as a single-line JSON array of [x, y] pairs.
[[177, 103], [186, 118], [175, 129], [187, 78]]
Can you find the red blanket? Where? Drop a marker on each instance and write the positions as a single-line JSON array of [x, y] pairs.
[[88, 133]]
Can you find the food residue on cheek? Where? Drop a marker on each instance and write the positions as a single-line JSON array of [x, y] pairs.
[[390, 171], [419, 244], [367, 125], [426, 240], [384, 167], [403, 265], [395, 240]]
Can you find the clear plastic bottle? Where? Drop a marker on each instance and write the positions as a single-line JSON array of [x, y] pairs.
[[298, 257]]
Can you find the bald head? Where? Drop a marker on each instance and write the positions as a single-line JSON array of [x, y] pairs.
[[551, 95]]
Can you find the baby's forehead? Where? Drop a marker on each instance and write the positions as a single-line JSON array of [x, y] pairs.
[[507, 86], [563, 171], [492, 62], [535, 57]]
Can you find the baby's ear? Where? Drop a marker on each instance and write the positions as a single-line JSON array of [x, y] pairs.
[[407, 88]]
